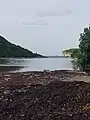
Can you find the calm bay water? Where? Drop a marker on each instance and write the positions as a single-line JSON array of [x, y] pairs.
[[34, 64]]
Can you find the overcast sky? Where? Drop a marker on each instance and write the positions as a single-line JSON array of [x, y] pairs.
[[44, 26]]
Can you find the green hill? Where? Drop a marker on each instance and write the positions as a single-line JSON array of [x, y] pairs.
[[8, 49]]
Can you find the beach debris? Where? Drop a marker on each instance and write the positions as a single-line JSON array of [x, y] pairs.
[[47, 70], [6, 92], [7, 75], [43, 96], [86, 107], [7, 79]]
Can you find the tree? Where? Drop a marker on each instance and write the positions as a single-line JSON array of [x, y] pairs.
[[82, 58]]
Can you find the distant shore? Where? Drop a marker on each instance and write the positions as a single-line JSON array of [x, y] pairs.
[[45, 95]]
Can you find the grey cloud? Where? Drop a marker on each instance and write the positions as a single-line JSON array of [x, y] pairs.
[[34, 22], [55, 13]]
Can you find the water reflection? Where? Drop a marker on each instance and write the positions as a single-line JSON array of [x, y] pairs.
[[10, 64], [11, 61], [34, 64], [4, 61], [10, 68]]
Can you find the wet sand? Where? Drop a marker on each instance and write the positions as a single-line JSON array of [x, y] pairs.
[[56, 95]]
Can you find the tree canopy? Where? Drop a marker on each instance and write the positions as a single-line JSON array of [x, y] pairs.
[[82, 57]]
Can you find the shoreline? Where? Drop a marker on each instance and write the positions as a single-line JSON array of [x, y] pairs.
[[41, 77]]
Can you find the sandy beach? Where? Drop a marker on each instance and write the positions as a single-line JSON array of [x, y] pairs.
[[47, 95]]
